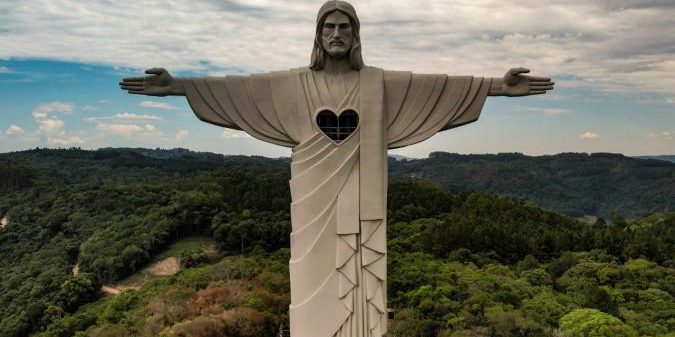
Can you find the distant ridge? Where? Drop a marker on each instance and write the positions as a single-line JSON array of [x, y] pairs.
[[577, 184], [154, 153], [603, 185], [399, 157], [670, 158]]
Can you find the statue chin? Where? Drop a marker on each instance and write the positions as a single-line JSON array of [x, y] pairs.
[[337, 52]]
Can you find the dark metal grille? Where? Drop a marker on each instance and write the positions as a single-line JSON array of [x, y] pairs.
[[337, 128]]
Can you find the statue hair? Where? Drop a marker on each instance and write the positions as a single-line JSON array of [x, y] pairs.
[[318, 53]]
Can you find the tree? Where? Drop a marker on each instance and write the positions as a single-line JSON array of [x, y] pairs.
[[594, 323], [78, 290], [133, 257]]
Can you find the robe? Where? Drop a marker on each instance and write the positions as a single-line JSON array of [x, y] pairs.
[[338, 261]]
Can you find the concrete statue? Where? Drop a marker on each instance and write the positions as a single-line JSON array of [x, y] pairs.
[[339, 116]]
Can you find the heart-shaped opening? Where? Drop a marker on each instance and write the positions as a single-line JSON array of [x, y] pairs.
[[337, 128]]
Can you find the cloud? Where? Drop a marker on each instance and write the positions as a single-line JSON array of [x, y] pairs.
[[50, 126], [590, 135], [120, 129], [44, 109], [129, 130], [67, 141], [158, 105], [607, 45], [14, 130], [182, 134], [39, 115], [48, 123], [661, 135], [232, 134], [550, 111], [126, 116], [555, 111]]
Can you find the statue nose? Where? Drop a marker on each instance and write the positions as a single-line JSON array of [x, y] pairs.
[[336, 32]]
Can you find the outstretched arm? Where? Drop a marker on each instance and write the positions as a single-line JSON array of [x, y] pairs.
[[260, 105], [514, 84], [158, 83]]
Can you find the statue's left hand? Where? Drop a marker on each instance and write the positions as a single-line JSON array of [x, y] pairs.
[[516, 84]]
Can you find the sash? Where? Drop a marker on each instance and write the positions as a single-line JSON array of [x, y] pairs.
[[373, 155]]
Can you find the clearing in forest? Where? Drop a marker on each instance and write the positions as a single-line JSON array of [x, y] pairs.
[[165, 264]]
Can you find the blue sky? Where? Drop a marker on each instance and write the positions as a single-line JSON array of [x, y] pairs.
[[613, 62]]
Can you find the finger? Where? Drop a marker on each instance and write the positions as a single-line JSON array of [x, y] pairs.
[[131, 87], [541, 83], [539, 78], [155, 71], [537, 92], [516, 71], [133, 79], [132, 84], [124, 87], [136, 92], [548, 87]]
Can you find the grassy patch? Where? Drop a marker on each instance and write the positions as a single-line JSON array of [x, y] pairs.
[[192, 244]]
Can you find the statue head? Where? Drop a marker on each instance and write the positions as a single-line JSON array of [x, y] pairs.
[[337, 35]]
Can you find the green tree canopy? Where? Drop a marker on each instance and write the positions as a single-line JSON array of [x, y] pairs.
[[594, 323]]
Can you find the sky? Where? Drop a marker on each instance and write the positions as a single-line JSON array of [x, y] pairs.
[[613, 62]]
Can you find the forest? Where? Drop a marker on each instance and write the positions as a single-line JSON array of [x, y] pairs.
[[603, 185], [463, 261]]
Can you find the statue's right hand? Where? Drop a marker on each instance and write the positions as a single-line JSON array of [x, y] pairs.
[[158, 83]]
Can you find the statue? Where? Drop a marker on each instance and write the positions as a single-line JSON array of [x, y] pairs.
[[339, 117]]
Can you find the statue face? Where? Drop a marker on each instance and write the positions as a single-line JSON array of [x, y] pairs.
[[336, 34]]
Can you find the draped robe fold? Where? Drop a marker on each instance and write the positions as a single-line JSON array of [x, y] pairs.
[[338, 261]]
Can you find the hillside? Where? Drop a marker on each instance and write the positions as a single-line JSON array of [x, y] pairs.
[[577, 184], [110, 212], [465, 295], [462, 291], [461, 263]]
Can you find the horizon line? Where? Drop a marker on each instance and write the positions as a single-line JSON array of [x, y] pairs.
[[389, 154]]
